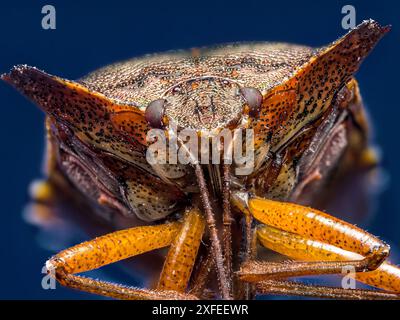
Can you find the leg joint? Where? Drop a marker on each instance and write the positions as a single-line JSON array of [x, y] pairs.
[[377, 255]]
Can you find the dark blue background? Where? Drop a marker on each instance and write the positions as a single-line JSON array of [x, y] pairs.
[[91, 34]]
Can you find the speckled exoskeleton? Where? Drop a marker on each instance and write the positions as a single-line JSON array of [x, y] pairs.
[[310, 128]]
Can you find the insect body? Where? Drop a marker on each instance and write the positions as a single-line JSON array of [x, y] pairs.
[[306, 115]]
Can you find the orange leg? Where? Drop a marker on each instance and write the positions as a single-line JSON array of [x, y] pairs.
[[386, 276], [182, 254], [323, 237], [123, 244]]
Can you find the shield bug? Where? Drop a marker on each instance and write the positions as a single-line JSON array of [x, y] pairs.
[[304, 111]]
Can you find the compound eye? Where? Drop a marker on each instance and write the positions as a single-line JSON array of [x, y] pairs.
[[253, 99], [154, 113]]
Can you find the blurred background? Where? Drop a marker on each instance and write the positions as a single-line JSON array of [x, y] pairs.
[[90, 34]]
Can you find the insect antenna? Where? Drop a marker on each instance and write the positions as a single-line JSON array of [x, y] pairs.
[[215, 243], [227, 223], [223, 281]]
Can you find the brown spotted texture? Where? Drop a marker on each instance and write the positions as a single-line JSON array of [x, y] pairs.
[[102, 115], [142, 80]]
